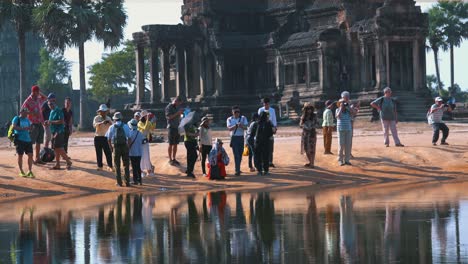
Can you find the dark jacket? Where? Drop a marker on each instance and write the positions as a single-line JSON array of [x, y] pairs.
[[263, 131]]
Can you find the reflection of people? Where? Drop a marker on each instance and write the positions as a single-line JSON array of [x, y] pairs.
[[309, 135], [387, 108], [218, 160], [347, 229], [435, 119], [265, 219]]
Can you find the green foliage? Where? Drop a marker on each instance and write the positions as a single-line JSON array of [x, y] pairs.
[[115, 74], [54, 69], [431, 81], [454, 20]]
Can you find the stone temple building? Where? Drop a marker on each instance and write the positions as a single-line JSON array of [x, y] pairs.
[[234, 52]]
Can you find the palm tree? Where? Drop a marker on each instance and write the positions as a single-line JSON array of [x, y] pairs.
[[73, 22], [19, 13], [436, 40], [454, 27]]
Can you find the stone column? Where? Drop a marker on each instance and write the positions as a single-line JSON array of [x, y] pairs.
[[365, 62], [202, 70], [165, 74], [140, 74], [219, 75], [387, 62], [189, 72], [154, 72], [180, 71], [279, 73], [380, 64], [416, 66], [323, 72]]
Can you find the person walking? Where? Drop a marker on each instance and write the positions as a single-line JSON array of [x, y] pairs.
[[34, 106], [68, 116], [435, 120], [236, 125], [135, 143], [343, 117], [22, 127], [205, 140], [309, 135], [250, 140], [272, 118], [101, 124], [173, 112], [190, 142], [57, 129], [263, 131], [327, 127], [117, 138], [387, 108], [46, 113], [145, 126]]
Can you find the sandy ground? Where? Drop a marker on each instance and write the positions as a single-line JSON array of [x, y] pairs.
[[419, 162]]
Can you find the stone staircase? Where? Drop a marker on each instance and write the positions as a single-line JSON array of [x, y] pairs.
[[412, 106]]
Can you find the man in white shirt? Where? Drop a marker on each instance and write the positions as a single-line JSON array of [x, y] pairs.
[[272, 116], [237, 124]]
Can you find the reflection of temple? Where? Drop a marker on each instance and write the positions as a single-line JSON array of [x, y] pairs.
[[235, 51]]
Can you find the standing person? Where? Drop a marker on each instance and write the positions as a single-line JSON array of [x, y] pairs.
[[68, 116], [354, 109], [190, 142], [387, 108], [218, 160], [250, 140], [135, 143], [173, 112], [343, 117], [34, 105], [46, 113], [57, 129], [263, 131], [272, 117], [101, 124], [145, 126], [137, 116], [237, 124], [117, 138], [205, 139], [309, 135], [435, 119], [22, 127], [327, 127]]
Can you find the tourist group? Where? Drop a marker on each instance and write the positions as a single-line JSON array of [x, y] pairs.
[[41, 121]]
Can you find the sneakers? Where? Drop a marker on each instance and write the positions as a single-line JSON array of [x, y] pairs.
[[444, 143], [30, 175], [22, 174], [399, 145]]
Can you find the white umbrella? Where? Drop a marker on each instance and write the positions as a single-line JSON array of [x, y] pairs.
[[186, 120]]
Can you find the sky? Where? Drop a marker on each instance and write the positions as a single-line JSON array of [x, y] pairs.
[[144, 12]]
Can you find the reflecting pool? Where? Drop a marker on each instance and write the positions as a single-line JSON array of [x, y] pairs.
[[421, 225]]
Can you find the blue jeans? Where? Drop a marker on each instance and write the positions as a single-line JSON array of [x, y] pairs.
[[237, 143]]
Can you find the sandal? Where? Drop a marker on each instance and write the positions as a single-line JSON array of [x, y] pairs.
[[69, 164], [55, 168], [307, 165]]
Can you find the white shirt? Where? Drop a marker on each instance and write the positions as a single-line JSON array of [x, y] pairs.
[[272, 114], [232, 121]]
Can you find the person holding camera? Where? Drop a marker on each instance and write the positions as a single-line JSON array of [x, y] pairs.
[[101, 124], [387, 108], [236, 125], [146, 126], [345, 135], [435, 119]]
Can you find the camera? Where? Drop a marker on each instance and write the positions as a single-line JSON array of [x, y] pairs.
[[345, 104], [446, 105]]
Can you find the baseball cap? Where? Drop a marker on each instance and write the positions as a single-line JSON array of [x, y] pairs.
[[51, 96], [439, 99], [35, 88]]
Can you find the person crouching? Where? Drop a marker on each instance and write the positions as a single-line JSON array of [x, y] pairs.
[[117, 138], [218, 160], [135, 146]]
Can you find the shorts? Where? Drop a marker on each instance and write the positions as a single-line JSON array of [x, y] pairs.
[[58, 140], [37, 134], [173, 136], [23, 147]]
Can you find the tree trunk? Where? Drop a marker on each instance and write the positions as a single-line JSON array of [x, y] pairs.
[[452, 70], [83, 100], [436, 60], [22, 65]]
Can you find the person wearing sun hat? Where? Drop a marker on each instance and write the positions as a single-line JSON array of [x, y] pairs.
[[117, 138], [135, 143], [33, 103], [435, 120], [145, 126], [205, 140], [101, 124], [22, 127]]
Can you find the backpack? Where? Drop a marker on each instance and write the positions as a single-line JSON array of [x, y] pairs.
[[46, 155], [11, 131], [120, 138]]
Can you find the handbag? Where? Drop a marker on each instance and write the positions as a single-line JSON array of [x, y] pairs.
[[246, 151]]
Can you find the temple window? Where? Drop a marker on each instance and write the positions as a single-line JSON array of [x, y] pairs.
[[301, 72], [289, 74], [314, 71]]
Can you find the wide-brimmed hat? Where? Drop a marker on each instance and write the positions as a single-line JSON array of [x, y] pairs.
[[204, 119], [144, 113], [137, 114], [439, 99], [117, 116], [307, 105], [103, 108], [328, 103], [133, 123]]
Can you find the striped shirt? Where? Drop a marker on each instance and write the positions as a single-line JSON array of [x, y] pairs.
[[437, 115], [343, 120]]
